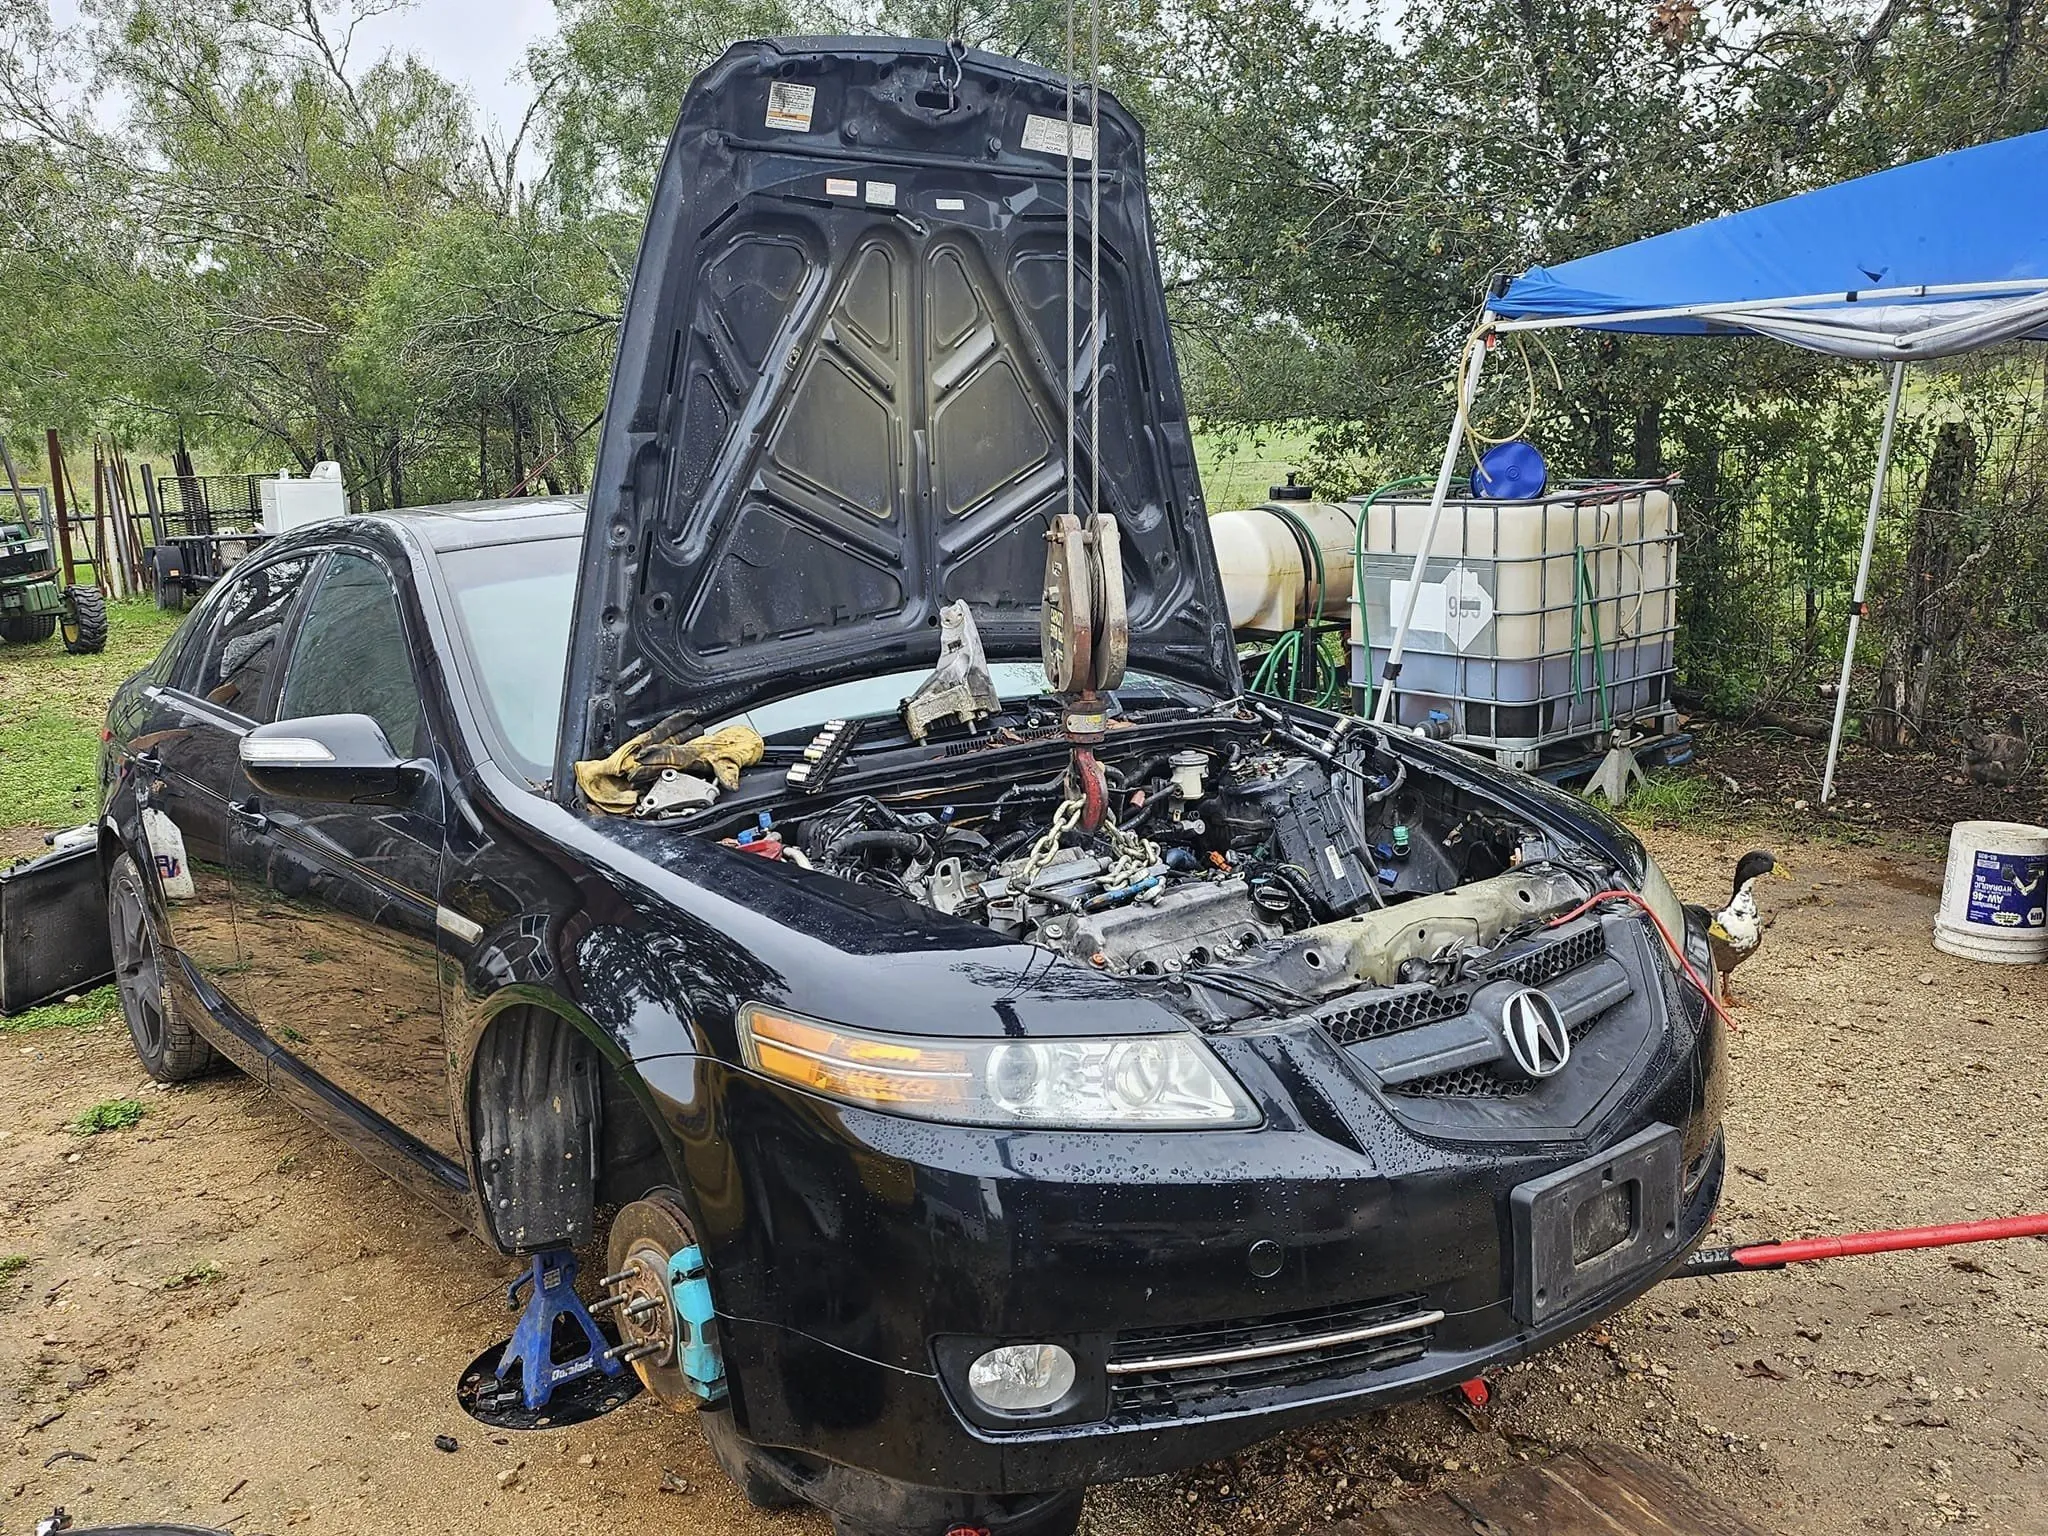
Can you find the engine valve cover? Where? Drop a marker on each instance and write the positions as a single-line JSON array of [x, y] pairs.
[[1188, 924]]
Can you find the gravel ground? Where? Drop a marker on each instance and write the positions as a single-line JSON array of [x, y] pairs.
[[224, 1318]]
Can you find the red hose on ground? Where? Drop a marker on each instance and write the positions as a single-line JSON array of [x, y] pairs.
[[1728, 1261]]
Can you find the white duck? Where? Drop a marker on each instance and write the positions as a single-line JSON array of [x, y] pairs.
[[1738, 928]]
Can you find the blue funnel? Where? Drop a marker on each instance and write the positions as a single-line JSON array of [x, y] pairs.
[[1511, 471]]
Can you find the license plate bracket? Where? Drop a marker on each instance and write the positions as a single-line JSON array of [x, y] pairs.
[[1569, 1226]]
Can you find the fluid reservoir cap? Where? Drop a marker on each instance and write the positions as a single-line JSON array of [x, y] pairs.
[[1290, 491], [1511, 471]]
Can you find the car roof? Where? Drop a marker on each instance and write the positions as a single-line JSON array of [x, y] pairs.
[[468, 524]]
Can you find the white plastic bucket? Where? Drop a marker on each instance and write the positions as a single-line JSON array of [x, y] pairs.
[[1994, 893]]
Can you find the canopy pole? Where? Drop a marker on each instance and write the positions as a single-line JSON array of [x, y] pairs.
[[1884, 459], [1468, 388]]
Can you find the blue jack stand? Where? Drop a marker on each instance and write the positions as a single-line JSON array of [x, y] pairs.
[[552, 1280]]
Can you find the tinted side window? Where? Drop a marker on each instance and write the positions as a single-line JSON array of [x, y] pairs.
[[242, 647], [351, 656]]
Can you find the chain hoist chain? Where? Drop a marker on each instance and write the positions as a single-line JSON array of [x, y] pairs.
[[1134, 855], [1064, 820]]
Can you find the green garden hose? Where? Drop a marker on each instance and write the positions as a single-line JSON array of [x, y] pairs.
[[1585, 599], [1289, 648]]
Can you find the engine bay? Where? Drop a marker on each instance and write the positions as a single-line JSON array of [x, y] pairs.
[[1274, 864]]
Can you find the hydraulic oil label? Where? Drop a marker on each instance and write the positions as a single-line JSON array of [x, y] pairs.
[[2006, 890]]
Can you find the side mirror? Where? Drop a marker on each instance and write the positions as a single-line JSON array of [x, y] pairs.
[[343, 758]]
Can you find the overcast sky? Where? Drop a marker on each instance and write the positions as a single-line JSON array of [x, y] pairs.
[[480, 43]]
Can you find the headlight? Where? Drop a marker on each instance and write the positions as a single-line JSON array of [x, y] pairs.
[[1155, 1082], [1663, 900]]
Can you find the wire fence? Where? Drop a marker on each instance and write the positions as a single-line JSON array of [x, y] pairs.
[[1958, 591]]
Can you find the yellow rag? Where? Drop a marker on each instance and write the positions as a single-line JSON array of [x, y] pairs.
[[615, 783]]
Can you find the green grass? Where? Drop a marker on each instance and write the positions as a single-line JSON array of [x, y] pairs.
[[1669, 796], [52, 706], [1238, 469], [12, 1264], [199, 1274], [91, 1008], [110, 1115]]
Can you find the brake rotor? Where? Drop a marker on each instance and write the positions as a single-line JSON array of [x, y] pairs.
[[645, 1235]]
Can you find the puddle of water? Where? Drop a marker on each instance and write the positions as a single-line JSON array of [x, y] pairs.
[[1907, 880]]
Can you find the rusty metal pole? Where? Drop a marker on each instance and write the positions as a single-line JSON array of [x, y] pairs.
[[14, 484], [57, 482]]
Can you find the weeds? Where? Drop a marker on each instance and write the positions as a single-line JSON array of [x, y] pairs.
[[110, 1115], [1669, 797], [12, 1264], [91, 1008], [199, 1274]]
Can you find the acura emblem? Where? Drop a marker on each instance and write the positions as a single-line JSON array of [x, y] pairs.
[[1534, 1033]]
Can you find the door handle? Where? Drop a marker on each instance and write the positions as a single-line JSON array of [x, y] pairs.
[[245, 812]]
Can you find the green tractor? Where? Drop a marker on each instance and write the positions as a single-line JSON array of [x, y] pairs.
[[32, 607]]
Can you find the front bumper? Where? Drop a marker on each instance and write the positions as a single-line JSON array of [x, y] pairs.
[[860, 1260]]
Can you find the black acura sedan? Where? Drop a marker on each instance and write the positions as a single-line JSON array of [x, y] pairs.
[[1044, 1103]]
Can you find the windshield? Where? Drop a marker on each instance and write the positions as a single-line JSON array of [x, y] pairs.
[[513, 603], [869, 697]]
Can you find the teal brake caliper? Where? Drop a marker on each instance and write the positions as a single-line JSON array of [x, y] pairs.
[[696, 1325]]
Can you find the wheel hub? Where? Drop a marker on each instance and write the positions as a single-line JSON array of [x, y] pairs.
[[644, 1309]]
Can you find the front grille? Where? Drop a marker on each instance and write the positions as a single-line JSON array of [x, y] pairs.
[[1486, 1081], [1172, 1391], [1559, 957], [1390, 1012], [1482, 1082]]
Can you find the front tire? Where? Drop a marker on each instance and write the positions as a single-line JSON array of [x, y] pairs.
[[85, 621], [169, 1049]]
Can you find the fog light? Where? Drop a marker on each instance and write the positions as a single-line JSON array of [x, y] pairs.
[[1018, 1378]]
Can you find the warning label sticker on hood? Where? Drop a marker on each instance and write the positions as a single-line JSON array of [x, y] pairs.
[[789, 105], [1048, 135]]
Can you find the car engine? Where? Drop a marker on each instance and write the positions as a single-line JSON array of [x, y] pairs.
[[1293, 865]]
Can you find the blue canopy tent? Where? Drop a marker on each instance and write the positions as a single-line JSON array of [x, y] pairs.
[[1921, 261]]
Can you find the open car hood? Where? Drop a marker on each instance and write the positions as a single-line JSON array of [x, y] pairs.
[[839, 403]]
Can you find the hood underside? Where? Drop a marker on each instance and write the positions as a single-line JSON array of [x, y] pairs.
[[841, 395]]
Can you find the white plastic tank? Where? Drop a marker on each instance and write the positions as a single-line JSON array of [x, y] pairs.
[[1994, 893], [1266, 582], [289, 503]]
